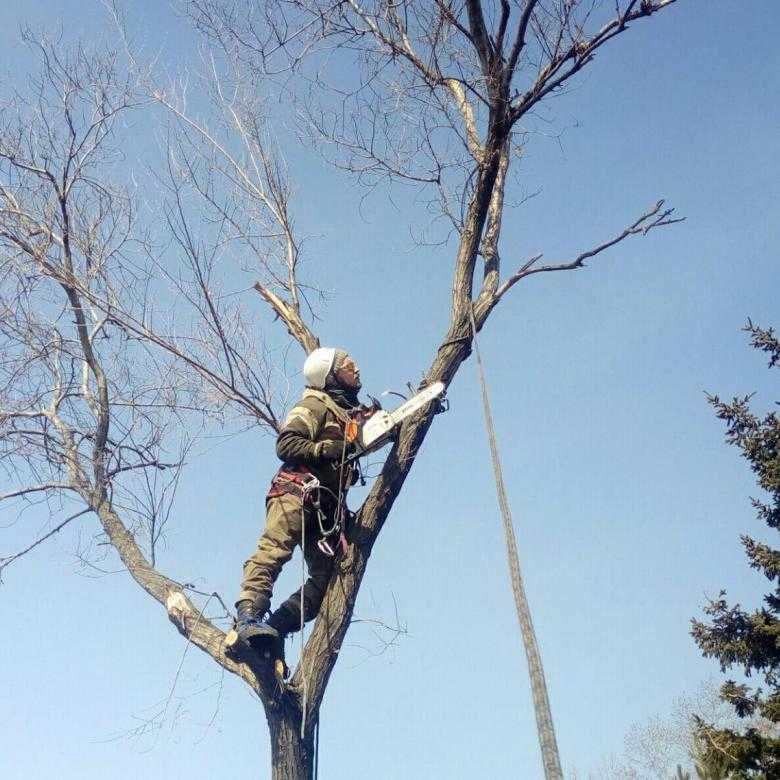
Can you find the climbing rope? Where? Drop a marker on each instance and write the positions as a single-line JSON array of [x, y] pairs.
[[544, 723], [303, 584], [317, 750]]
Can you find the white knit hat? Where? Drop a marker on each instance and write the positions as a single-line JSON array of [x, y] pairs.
[[318, 366]]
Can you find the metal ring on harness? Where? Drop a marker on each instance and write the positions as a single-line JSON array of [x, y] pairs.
[[313, 488]]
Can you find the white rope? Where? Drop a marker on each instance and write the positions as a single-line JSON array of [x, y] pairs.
[[544, 723], [304, 701]]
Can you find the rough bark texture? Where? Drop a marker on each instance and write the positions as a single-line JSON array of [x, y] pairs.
[[292, 757]]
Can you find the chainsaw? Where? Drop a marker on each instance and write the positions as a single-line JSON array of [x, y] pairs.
[[373, 432]]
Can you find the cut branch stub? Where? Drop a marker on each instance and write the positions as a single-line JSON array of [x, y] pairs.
[[291, 317], [178, 608]]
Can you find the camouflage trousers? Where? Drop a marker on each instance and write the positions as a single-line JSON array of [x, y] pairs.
[[284, 526]]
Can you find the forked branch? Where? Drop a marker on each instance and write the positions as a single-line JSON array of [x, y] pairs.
[[654, 218]]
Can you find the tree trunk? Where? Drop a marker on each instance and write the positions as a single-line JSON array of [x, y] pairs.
[[292, 758]]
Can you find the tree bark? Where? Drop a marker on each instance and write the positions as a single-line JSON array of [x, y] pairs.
[[292, 757]]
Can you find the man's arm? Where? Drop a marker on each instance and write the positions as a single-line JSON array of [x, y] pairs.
[[297, 441]]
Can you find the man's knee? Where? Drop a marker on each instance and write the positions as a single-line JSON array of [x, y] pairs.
[[283, 520], [274, 548]]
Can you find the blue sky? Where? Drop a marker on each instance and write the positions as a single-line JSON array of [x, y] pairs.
[[627, 504]]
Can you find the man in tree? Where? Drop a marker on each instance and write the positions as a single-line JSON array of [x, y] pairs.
[[306, 503]]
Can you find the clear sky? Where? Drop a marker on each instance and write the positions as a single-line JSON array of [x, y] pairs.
[[627, 503]]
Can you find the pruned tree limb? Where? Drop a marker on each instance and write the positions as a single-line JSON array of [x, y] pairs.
[[287, 313]]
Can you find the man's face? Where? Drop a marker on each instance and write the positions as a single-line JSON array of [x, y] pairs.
[[349, 374]]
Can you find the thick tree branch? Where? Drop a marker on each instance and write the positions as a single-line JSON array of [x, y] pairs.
[[479, 35], [183, 614], [503, 22], [467, 113], [321, 651], [489, 247]]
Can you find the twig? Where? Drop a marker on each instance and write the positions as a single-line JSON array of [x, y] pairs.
[[652, 219], [5, 562]]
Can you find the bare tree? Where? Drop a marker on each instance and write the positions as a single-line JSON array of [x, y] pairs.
[[656, 747], [101, 378], [439, 99]]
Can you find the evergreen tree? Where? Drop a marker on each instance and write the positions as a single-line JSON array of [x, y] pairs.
[[742, 639], [710, 764]]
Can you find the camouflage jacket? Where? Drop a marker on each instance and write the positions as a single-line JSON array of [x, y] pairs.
[[315, 419]]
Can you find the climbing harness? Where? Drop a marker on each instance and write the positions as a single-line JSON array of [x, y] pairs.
[[303, 483], [550, 758], [339, 521]]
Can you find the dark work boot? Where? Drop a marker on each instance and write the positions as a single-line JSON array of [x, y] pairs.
[[251, 627], [285, 620]]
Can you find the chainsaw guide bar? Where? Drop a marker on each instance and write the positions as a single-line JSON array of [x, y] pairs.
[[377, 430]]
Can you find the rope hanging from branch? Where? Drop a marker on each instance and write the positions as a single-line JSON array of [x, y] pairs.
[[544, 723]]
